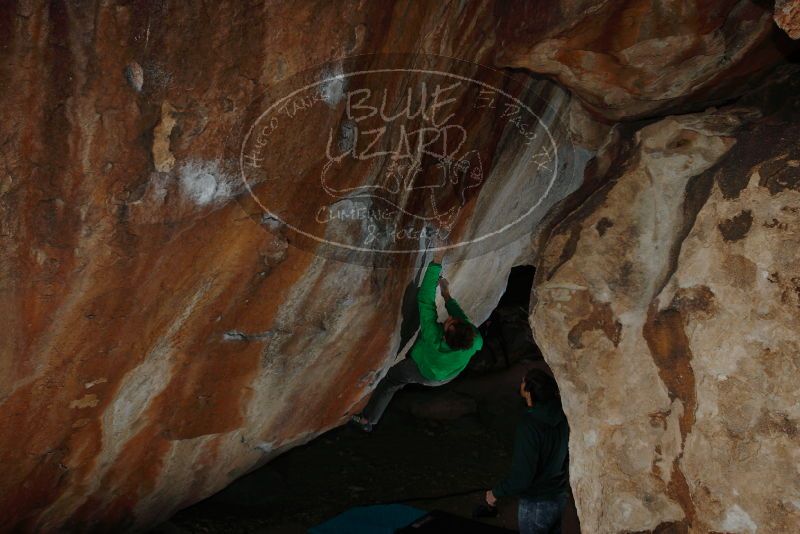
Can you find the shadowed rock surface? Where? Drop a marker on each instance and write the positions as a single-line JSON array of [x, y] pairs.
[[409, 456]]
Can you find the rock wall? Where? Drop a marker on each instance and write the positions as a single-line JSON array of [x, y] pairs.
[[667, 306], [787, 16], [633, 58], [160, 341]]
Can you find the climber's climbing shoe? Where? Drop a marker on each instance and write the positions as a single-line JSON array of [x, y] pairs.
[[361, 423]]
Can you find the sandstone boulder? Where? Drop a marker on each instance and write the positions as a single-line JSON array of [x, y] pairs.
[[667, 307], [787, 16], [629, 59]]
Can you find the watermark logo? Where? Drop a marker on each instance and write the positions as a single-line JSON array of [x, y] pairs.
[[377, 157]]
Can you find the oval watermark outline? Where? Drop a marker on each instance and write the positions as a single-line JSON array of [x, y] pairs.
[[343, 75]]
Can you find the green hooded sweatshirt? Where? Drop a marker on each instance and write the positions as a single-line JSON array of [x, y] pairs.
[[434, 357], [539, 465]]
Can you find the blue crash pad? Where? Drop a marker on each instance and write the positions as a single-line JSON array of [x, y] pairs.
[[378, 519]]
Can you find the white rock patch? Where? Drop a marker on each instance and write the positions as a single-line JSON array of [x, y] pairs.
[[737, 520], [204, 182]]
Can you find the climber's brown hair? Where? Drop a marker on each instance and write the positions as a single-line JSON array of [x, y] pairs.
[[460, 335]]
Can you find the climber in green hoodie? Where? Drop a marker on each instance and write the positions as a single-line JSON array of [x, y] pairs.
[[440, 352], [540, 462]]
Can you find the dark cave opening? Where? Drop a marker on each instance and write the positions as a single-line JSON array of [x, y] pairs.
[[436, 449], [507, 333]]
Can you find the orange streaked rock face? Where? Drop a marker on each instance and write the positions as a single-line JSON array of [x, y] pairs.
[[159, 340], [640, 58]]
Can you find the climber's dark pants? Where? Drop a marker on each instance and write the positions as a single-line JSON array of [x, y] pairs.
[[405, 372]]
